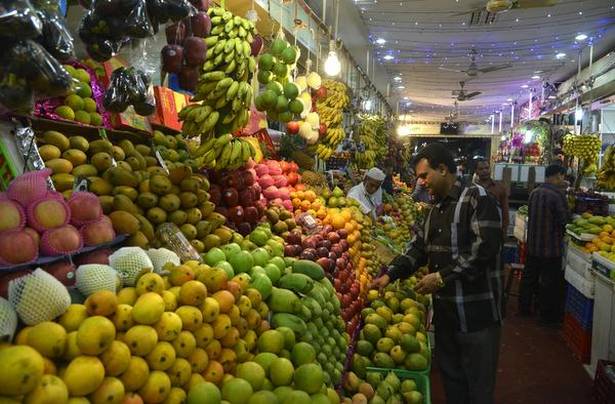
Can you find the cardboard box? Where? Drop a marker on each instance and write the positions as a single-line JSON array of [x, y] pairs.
[[168, 105]]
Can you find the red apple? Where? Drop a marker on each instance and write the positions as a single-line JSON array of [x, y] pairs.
[[308, 254], [230, 197], [292, 127], [322, 130], [322, 252], [289, 250], [244, 228], [332, 256], [236, 214], [320, 93], [333, 237]]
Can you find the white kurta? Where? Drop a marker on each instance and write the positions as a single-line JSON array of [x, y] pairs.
[[368, 203]]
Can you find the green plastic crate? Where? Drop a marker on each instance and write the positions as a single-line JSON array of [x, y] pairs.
[[421, 380], [7, 170]]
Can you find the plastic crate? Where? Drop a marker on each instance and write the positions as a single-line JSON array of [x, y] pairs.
[[422, 381], [578, 340], [603, 391], [580, 307]]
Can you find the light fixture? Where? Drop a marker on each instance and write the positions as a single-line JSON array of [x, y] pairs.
[[388, 57], [381, 41], [503, 138], [551, 97], [578, 114], [580, 37], [524, 86], [332, 64], [535, 77], [406, 98], [560, 55], [401, 87], [397, 78], [509, 99], [367, 105]]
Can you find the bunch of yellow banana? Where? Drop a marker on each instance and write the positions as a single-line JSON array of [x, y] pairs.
[[324, 152], [223, 92], [606, 176], [224, 152], [331, 112], [364, 159], [371, 132]]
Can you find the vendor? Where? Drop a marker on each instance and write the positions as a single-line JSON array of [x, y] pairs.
[[369, 192]]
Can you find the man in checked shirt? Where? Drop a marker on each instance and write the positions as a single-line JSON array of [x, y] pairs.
[[460, 241]]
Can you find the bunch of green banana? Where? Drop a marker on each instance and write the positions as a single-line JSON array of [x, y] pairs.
[[223, 93], [224, 152]]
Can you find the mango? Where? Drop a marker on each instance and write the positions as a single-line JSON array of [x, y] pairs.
[[95, 335], [83, 375], [21, 370]]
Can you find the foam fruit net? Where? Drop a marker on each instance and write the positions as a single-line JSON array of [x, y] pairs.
[[29, 186], [130, 263], [91, 278], [84, 208], [161, 256], [38, 297], [7, 205], [50, 203], [8, 321]]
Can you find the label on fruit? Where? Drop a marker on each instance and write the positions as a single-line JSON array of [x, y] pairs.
[[309, 221], [80, 184], [161, 162]]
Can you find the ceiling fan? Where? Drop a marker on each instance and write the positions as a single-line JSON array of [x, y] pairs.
[[473, 70], [500, 6], [461, 94]]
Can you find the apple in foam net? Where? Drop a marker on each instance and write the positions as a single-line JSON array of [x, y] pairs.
[[292, 127]]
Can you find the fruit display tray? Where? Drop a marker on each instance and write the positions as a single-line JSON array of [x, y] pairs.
[[421, 380], [50, 260], [581, 237]]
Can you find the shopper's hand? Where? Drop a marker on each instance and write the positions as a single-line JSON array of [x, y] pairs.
[[380, 282], [428, 284]]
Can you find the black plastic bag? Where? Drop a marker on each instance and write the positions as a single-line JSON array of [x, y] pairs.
[[19, 20], [137, 23], [44, 73], [179, 9], [129, 86], [103, 50], [56, 38]]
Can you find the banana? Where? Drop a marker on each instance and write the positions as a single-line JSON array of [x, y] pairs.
[[224, 84], [218, 59], [217, 30], [220, 103], [246, 150], [209, 123], [220, 46], [232, 91], [213, 76], [222, 162], [230, 117], [236, 152], [206, 147], [227, 16], [228, 27], [217, 20], [203, 114], [231, 67], [223, 140]]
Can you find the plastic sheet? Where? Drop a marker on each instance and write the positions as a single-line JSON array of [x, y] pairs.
[[55, 36], [18, 19]]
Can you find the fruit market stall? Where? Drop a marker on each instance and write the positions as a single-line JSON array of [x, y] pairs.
[[158, 246]]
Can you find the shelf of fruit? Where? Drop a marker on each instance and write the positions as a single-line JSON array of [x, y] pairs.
[[595, 232], [174, 330]]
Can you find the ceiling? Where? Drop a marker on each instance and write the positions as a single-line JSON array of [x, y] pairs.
[[423, 35]]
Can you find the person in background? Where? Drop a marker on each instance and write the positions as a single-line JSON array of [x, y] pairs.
[[387, 184], [369, 192], [460, 240], [499, 192], [543, 274]]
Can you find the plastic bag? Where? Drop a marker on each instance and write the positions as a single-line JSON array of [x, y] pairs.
[[56, 38], [15, 93], [129, 86], [178, 9], [137, 23], [19, 20], [43, 72]]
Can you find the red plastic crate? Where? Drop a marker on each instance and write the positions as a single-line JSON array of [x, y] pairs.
[[604, 383], [578, 340]]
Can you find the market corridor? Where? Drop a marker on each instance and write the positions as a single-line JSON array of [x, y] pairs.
[[536, 366]]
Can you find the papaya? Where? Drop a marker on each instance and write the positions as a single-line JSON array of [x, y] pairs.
[[309, 268], [284, 301], [124, 222], [296, 282], [59, 166], [289, 320]]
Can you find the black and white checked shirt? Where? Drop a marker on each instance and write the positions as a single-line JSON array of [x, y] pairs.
[[461, 238]]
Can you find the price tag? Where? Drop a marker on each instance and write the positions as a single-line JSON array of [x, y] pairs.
[[81, 184], [309, 220], [161, 162]]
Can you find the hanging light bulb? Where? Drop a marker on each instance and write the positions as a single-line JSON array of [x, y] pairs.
[[332, 64]]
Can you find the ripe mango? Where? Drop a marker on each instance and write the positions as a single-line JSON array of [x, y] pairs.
[[161, 357], [156, 388], [73, 317], [21, 370], [95, 335], [83, 375], [110, 391], [49, 152], [148, 308], [116, 359], [124, 222], [57, 139], [48, 338], [141, 339], [168, 327], [76, 157], [101, 303], [135, 375], [50, 390]]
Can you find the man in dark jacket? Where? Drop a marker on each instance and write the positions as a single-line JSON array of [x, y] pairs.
[[460, 241], [543, 274]]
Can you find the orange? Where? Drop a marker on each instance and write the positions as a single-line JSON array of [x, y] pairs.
[[310, 195], [301, 195], [296, 202], [305, 205], [311, 212], [338, 221], [349, 227], [347, 214]]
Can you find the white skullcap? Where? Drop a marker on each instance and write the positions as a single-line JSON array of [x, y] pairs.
[[376, 174]]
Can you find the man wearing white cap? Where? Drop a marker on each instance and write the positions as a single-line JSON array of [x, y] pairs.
[[369, 192]]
